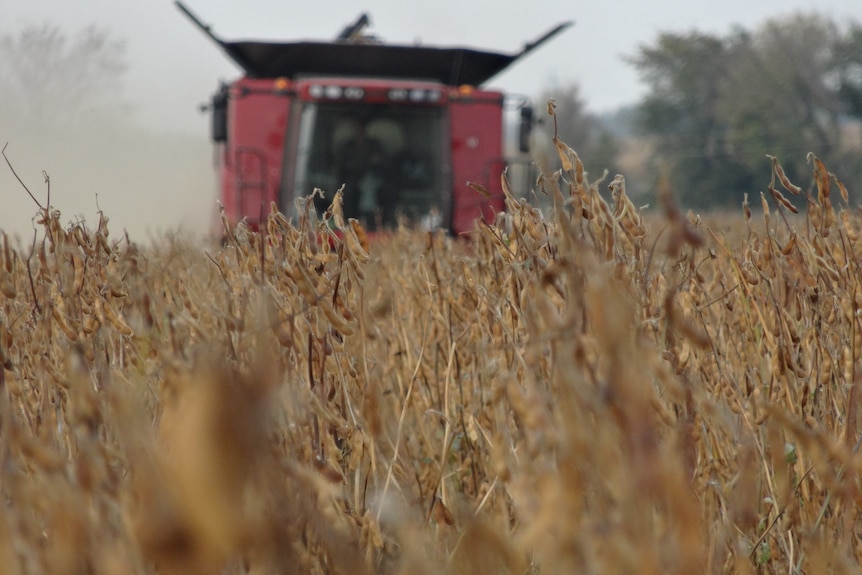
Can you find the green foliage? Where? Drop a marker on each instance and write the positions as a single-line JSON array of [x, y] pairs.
[[848, 68], [717, 105]]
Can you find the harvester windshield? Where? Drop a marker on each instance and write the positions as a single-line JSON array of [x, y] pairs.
[[389, 159]]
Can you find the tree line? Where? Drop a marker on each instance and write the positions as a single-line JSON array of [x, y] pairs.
[[717, 104]]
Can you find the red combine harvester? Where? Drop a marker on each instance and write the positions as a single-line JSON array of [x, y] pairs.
[[403, 128]]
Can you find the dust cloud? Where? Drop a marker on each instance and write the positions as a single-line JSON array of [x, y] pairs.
[[148, 184]]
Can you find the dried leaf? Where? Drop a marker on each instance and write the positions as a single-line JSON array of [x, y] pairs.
[[844, 195], [359, 231], [565, 154], [483, 191], [821, 177], [778, 171], [779, 197]]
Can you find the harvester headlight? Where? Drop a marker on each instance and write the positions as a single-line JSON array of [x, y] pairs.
[[333, 92], [315, 91], [398, 94], [434, 95], [354, 93], [417, 95]]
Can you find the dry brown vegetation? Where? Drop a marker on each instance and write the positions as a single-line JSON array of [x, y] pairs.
[[579, 394]]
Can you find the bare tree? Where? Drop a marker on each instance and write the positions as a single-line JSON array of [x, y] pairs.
[[52, 78]]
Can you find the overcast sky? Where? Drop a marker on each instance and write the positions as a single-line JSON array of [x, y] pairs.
[[173, 67]]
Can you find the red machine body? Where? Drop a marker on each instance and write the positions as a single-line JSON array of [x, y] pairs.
[[402, 128]]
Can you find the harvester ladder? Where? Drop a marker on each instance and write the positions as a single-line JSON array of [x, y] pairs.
[[250, 177]]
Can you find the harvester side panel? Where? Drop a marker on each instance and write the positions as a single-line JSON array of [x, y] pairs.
[[477, 156], [253, 158]]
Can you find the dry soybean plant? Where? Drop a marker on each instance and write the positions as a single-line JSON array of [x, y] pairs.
[[582, 391]]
